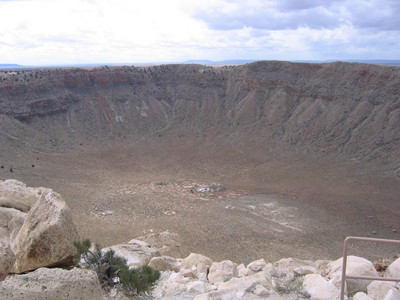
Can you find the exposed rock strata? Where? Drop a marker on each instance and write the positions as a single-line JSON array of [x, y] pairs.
[[337, 108]]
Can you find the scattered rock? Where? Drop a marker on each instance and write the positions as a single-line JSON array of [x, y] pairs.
[[212, 188], [45, 284]]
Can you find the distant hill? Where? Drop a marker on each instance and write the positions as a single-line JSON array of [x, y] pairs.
[[10, 66]]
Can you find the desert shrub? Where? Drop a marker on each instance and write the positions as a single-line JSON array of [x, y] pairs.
[[112, 270], [294, 286]]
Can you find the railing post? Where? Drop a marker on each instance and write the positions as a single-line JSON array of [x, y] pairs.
[[344, 265]]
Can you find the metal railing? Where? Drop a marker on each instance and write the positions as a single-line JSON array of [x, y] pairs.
[[344, 276]]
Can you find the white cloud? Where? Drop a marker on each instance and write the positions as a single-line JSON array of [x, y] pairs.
[[89, 31]]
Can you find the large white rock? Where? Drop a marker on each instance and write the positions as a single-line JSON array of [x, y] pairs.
[[47, 235], [15, 194], [165, 263], [167, 243], [355, 266], [222, 271], [319, 288], [378, 289], [46, 284], [393, 270], [137, 253], [194, 259]]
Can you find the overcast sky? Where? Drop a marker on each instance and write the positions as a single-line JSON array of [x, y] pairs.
[[34, 32]]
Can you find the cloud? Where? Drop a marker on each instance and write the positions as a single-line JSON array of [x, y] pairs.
[[90, 31], [291, 14]]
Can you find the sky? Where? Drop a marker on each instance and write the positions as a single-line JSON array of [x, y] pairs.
[[58, 32]]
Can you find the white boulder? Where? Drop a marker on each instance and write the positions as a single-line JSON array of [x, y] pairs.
[[222, 271], [378, 289], [355, 266], [393, 270], [165, 263], [194, 259], [47, 235], [137, 253], [167, 243], [392, 294], [319, 288]]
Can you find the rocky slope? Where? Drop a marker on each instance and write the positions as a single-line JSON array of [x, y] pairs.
[[336, 108]]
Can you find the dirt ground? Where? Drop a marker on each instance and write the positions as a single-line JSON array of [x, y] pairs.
[[280, 207]]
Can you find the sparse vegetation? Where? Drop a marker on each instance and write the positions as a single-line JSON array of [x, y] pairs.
[[112, 270], [294, 286]]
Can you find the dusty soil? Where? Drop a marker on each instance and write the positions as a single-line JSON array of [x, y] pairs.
[[286, 207]]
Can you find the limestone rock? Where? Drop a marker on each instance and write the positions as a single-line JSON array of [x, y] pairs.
[[242, 270], [305, 270], [378, 289], [392, 294], [196, 287], [393, 270], [361, 296], [222, 271], [174, 285], [164, 263], [319, 288], [45, 284], [291, 264], [166, 243], [257, 266], [11, 221], [137, 253], [15, 194], [7, 258], [47, 235], [355, 266], [194, 259]]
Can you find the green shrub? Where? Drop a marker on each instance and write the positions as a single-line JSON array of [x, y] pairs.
[[112, 270]]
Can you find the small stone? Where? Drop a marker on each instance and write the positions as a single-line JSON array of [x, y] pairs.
[[374, 232]]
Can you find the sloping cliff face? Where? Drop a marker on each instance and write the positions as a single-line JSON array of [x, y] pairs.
[[341, 109]]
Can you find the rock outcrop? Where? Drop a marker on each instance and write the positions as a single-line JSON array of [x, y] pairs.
[[37, 228], [46, 284], [338, 108]]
